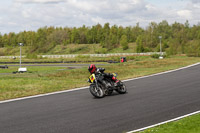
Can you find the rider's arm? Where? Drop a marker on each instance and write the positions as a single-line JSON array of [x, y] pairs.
[[101, 70]]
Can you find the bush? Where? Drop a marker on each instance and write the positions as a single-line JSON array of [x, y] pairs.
[[193, 49], [124, 42], [156, 56]]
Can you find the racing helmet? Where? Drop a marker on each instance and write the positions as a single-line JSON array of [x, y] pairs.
[[92, 68]]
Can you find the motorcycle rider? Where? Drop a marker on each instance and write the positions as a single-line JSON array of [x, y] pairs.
[[93, 69]]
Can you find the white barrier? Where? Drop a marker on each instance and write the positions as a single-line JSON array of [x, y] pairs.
[[99, 55], [11, 57], [91, 55]]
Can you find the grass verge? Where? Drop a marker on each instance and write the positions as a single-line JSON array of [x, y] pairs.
[[187, 125]]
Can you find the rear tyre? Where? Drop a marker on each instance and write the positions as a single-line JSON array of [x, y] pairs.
[[108, 92], [97, 92]]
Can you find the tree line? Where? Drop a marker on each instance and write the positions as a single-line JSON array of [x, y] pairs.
[[177, 38]]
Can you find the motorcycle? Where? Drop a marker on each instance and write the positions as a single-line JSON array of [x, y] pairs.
[[101, 86]]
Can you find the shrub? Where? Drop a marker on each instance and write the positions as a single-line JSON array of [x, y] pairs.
[[156, 56], [193, 49], [124, 42]]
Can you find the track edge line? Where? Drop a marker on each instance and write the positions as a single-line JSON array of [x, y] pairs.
[[161, 123]]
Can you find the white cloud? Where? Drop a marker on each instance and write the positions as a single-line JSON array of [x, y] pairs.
[[39, 1], [33, 14], [187, 14], [192, 11], [195, 1]]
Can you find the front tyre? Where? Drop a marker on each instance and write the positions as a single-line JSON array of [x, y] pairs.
[[97, 92], [122, 88]]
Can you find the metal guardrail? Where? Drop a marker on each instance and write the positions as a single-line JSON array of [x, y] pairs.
[[4, 67], [91, 55]]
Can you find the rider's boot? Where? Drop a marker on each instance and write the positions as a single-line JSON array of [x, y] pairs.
[[116, 81]]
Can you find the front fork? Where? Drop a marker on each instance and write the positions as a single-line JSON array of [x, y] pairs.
[[96, 84]]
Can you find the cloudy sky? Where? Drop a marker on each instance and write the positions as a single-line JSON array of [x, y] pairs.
[[20, 15]]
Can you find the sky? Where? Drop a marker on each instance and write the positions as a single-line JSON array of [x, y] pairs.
[[30, 15]]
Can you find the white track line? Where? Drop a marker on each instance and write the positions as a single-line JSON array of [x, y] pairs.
[[58, 92], [175, 119], [41, 95]]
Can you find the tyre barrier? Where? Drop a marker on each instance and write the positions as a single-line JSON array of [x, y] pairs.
[[4, 67]]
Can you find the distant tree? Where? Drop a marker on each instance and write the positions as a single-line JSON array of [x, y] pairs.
[[75, 36], [193, 48], [57, 37], [94, 34], [124, 42], [1, 41], [136, 31], [140, 47], [12, 39], [177, 38], [83, 35], [119, 34], [128, 33], [99, 36], [68, 37], [89, 37], [113, 35], [105, 40], [5, 40]]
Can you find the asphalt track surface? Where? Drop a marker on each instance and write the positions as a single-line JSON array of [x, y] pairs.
[[149, 101]]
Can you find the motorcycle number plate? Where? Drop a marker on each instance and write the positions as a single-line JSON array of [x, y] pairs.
[[114, 74], [92, 78]]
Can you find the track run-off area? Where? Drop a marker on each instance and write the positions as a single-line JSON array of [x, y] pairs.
[[150, 100]]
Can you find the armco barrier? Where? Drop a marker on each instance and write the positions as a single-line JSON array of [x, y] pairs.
[[91, 55]]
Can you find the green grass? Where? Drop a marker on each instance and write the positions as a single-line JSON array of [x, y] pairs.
[[39, 80], [68, 49], [74, 49], [80, 58], [31, 69], [187, 125]]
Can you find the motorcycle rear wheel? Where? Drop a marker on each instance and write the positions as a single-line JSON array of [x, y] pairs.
[[97, 92], [122, 88], [108, 92]]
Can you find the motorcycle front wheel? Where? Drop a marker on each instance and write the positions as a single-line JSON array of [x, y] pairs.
[[97, 92]]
